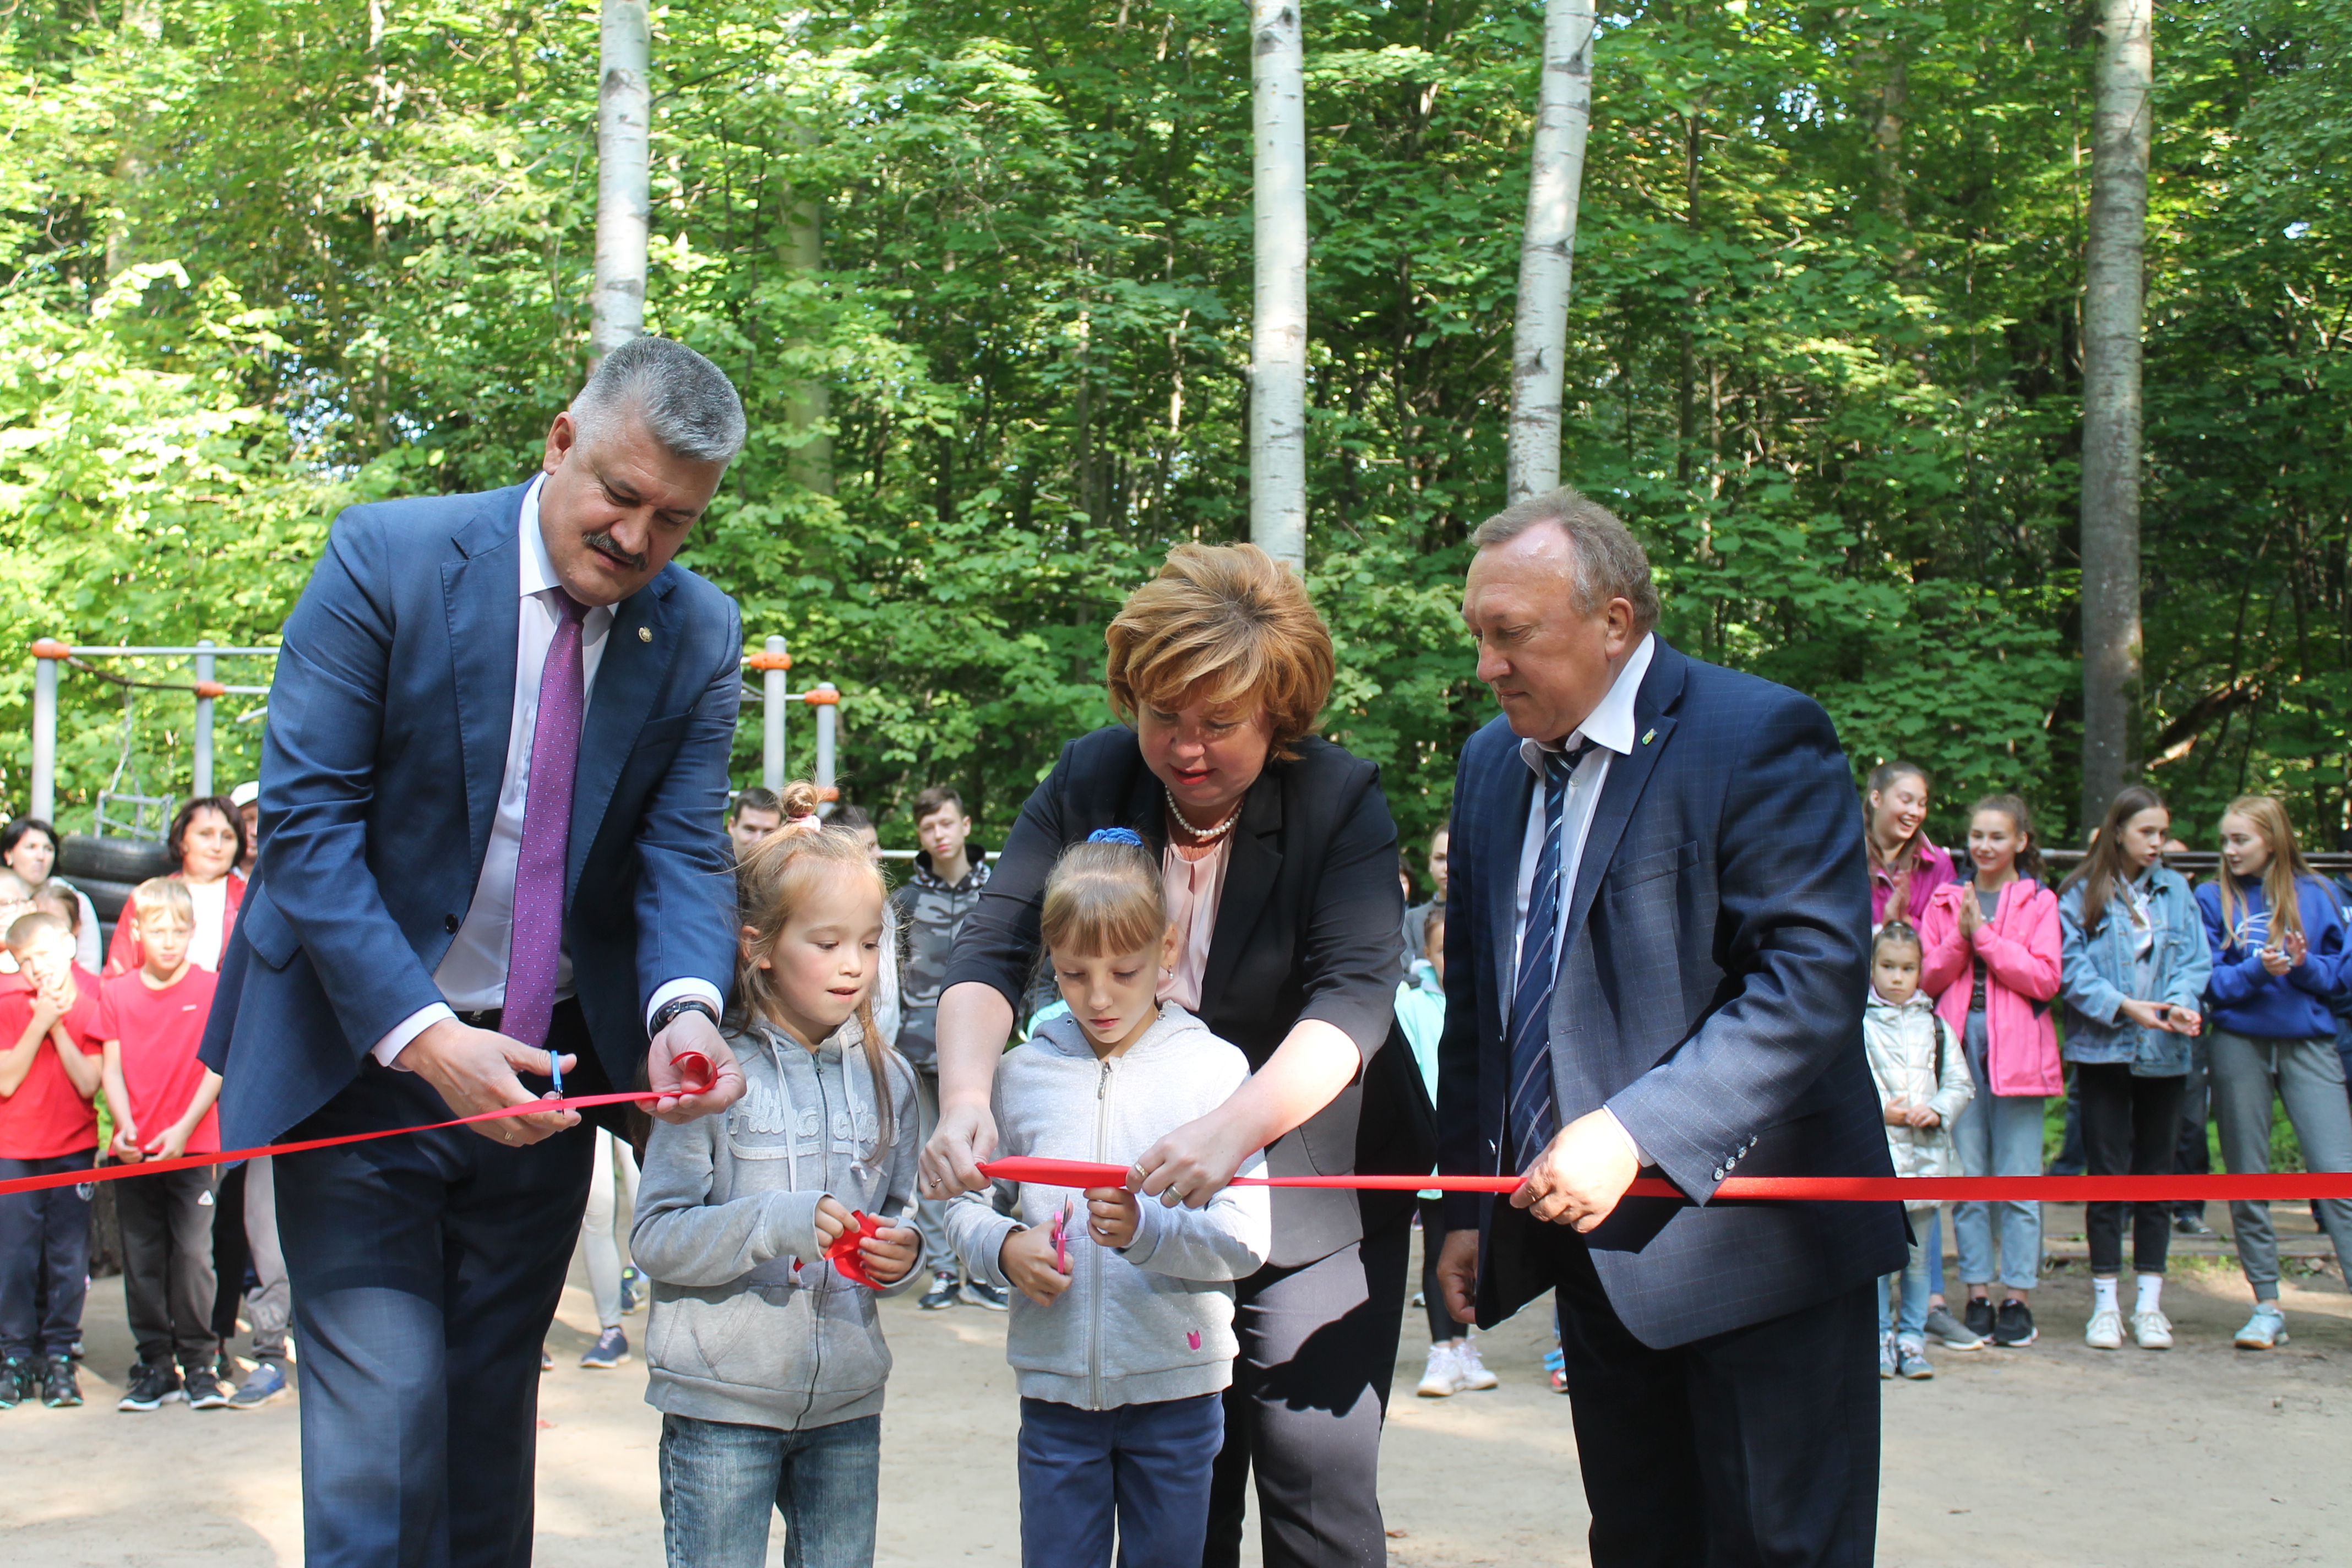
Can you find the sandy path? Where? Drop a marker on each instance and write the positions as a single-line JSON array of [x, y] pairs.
[[2054, 1455]]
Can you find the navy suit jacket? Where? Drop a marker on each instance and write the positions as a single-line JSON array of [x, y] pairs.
[[1710, 993], [379, 775]]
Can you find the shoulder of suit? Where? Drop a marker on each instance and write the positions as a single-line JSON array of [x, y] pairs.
[[1101, 753], [692, 589], [420, 517], [1713, 684], [1322, 760]]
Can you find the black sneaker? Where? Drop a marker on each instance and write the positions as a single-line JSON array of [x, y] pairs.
[[16, 1381], [150, 1385], [2190, 1225], [2014, 1326], [981, 1293], [60, 1390], [204, 1389], [942, 1295], [1980, 1317]]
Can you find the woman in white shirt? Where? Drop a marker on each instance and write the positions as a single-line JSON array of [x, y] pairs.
[[206, 841]]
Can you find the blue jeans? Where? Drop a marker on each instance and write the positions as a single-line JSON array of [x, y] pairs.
[[1911, 1325], [1931, 1242], [1148, 1464], [1999, 1135], [719, 1480]]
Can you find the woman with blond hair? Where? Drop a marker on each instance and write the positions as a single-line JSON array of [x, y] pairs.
[[1279, 859], [2278, 954]]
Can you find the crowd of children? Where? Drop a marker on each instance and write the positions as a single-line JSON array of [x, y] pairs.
[[766, 1234], [2138, 988]]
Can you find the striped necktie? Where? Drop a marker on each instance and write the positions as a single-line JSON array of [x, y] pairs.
[[1534, 1110]]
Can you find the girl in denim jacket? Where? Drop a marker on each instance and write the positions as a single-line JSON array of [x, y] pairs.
[[2133, 967], [1993, 966]]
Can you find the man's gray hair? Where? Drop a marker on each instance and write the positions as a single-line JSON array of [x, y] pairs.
[[687, 405], [1609, 562]]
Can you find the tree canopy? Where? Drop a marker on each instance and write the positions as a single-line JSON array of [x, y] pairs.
[[261, 259]]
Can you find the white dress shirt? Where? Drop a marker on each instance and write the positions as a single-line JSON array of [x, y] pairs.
[[1610, 728], [473, 974]]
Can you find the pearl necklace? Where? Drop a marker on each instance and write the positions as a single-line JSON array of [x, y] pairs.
[[1202, 836]]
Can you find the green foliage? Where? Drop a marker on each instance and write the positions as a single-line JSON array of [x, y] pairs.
[[1824, 351]]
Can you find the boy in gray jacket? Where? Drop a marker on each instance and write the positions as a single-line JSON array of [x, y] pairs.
[[1123, 1335]]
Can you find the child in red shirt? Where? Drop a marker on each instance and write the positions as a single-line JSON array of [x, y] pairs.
[[162, 1097], [50, 1062]]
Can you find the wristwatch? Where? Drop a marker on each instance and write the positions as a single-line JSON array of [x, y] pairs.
[[669, 1011]]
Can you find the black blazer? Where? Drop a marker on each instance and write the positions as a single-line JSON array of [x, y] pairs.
[[1307, 928]]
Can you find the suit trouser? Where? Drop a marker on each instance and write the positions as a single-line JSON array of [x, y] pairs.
[[167, 1264], [1756, 1446], [426, 1271], [44, 1259], [1310, 1389]]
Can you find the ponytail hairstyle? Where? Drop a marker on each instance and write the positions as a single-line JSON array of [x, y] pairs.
[[2028, 853], [1104, 897], [2102, 869], [772, 883], [1882, 779], [1896, 933], [2286, 868]]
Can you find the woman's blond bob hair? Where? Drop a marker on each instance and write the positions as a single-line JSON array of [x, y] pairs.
[[1223, 625], [1103, 901], [773, 881]]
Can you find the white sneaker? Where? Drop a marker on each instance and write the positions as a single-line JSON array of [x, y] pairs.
[[2152, 1330], [2105, 1331], [1441, 1376], [2265, 1328], [1469, 1371]]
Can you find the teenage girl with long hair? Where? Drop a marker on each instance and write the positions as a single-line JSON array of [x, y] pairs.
[[1991, 963], [2135, 963], [2278, 950], [1906, 868]]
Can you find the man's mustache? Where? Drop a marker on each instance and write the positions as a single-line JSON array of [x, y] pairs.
[[606, 546]]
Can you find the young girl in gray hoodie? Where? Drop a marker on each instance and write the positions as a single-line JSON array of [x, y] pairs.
[[1123, 1335], [767, 1355]]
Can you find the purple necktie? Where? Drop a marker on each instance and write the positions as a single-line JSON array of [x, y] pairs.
[[538, 930]]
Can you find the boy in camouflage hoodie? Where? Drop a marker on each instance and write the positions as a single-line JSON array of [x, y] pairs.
[[930, 909]]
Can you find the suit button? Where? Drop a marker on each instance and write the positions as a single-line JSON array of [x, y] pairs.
[[1718, 1175], [449, 924]]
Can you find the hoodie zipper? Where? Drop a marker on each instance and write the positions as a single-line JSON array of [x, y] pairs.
[[1093, 1252]]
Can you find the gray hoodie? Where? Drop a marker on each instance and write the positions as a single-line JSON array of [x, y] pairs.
[[750, 1325], [1154, 1321]]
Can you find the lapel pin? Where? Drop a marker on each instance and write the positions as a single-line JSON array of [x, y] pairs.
[[1648, 736], [645, 634]]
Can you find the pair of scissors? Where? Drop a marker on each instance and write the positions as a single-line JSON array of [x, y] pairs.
[[1062, 1236]]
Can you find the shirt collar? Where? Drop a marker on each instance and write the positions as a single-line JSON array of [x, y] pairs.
[[1610, 725], [538, 571]]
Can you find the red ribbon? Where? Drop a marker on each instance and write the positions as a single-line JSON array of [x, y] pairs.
[[231, 1156], [1818, 1189]]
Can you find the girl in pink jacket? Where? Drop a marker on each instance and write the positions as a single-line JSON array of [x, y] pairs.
[[1991, 963]]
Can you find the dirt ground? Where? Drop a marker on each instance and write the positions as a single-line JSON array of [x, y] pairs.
[[2056, 1454]]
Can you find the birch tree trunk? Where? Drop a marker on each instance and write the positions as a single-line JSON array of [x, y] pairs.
[[807, 402], [1547, 247], [2114, 284], [624, 117], [1278, 421]]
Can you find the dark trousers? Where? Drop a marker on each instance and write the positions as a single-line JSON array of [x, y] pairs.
[[1145, 1466], [2194, 1154], [231, 1253], [44, 1259], [2130, 1127], [426, 1271], [1442, 1326], [1757, 1446], [1318, 1347], [167, 1264]]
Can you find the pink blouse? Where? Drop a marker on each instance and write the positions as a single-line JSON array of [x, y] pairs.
[[1193, 889]]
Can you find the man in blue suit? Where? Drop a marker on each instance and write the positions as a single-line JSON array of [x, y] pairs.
[[1656, 963], [491, 796]]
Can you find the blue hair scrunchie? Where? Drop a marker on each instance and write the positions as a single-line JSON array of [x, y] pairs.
[[1116, 836]]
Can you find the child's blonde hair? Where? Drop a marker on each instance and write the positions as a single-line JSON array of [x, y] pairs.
[[164, 895], [1104, 898], [1896, 933], [56, 898], [771, 883], [26, 930]]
